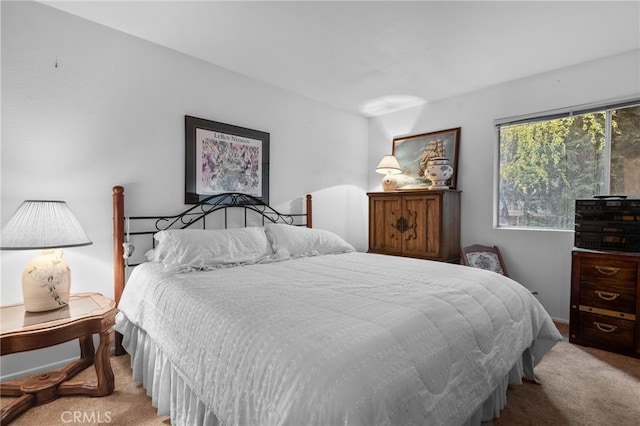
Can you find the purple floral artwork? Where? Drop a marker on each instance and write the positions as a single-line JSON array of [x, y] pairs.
[[228, 163]]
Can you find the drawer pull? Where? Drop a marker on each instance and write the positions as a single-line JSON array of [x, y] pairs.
[[605, 295], [607, 328], [607, 270]]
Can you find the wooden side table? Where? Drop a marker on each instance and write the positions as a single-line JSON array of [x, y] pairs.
[[85, 315]]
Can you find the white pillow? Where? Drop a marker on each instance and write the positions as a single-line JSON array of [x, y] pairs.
[[292, 241], [196, 249]]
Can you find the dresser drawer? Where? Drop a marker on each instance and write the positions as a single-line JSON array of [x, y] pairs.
[[620, 298], [606, 332], [605, 305], [609, 271]]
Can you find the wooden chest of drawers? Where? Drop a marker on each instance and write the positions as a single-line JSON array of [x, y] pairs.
[[605, 302]]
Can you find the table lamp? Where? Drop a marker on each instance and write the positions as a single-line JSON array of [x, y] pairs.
[[49, 226], [389, 166]]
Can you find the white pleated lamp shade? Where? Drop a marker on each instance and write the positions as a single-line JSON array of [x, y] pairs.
[[388, 165], [42, 225]]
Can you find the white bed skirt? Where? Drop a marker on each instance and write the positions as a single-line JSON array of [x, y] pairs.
[[171, 395]]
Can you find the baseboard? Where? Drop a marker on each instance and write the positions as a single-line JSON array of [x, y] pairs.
[[42, 368], [36, 370]]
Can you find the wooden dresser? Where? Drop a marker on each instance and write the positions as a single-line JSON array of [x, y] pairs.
[[423, 224], [605, 300]]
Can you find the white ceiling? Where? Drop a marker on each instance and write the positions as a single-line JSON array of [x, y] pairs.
[[346, 54]]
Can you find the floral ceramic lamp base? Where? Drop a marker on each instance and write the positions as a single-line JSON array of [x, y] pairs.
[[46, 282]]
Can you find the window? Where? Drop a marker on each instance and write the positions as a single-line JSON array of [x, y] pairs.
[[547, 162]]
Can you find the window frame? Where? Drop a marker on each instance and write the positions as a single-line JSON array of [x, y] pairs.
[[606, 107]]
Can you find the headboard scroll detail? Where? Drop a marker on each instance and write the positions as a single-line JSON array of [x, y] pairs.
[[223, 202]]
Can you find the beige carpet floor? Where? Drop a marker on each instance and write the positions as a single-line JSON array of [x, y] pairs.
[[579, 386], [128, 405]]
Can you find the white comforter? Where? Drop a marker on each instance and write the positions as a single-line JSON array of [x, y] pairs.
[[353, 338]]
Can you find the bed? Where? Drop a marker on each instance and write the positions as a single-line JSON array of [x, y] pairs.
[[277, 324]]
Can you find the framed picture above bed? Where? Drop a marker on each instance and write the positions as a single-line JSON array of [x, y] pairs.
[[413, 152], [222, 158]]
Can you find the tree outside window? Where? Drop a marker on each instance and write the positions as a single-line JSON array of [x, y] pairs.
[[545, 165]]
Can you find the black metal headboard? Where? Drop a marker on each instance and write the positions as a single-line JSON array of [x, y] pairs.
[[225, 202], [252, 212], [250, 206]]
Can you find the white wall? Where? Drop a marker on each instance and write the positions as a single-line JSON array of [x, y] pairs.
[[85, 108], [540, 260]]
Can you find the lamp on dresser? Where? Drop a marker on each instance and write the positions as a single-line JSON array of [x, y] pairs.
[[389, 166], [49, 226]]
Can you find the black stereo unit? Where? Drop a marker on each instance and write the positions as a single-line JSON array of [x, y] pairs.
[[608, 223]]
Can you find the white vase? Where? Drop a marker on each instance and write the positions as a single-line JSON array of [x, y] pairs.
[[46, 282], [438, 171]]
